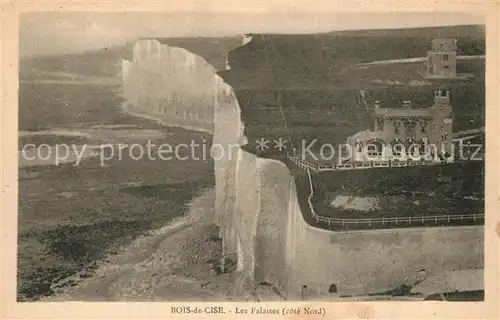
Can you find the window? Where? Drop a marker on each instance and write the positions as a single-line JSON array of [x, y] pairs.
[[374, 148], [396, 127], [423, 148], [410, 127], [372, 151], [358, 145], [444, 137], [445, 57], [413, 149], [333, 288], [423, 126], [397, 148], [380, 124]]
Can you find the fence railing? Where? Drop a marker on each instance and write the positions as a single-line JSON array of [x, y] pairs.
[[304, 164], [349, 222], [399, 220]]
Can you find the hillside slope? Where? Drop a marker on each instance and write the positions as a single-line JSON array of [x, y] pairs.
[[308, 86]]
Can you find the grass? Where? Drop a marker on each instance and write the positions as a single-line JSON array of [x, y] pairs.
[[402, 192], [313, 79], [318, 60], [456, 179]]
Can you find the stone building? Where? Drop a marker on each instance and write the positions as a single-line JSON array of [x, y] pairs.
[[441, 59], [400, 133]]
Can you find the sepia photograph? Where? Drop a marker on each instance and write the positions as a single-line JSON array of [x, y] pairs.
[[251, 157]]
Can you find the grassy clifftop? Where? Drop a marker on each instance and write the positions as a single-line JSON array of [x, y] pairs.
[[318, 85], [309, 60]]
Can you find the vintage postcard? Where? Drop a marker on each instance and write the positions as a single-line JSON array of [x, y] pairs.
[[228, 159]]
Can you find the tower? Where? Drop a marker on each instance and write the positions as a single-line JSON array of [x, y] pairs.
[[442, 121], [442, 59]]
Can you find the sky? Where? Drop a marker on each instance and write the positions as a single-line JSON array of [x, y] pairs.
[[68, 32]]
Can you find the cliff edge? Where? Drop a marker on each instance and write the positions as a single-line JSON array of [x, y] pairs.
[[261, 217]]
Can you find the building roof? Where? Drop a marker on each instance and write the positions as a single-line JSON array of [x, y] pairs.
[[367, 135], [402, 112]]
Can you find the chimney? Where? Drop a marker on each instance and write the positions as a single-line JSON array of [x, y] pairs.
[[406, 104]]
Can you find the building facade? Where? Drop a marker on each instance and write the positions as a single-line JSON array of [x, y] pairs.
[[441, 59], [407, 133]]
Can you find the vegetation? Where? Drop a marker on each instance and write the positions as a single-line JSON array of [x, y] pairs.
[[70, 216], [311, 60], [455, 180], [307, 85], [451, 189]]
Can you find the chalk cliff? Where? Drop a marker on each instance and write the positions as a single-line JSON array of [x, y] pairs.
[[261, 215]]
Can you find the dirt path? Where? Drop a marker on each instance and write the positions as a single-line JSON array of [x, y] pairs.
[[173, 263]]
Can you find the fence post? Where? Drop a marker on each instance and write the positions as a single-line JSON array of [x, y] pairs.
[[474, 217], [436, 219], [461, 218], [423, 220], [448, 218], [396, 220], [304, 293]]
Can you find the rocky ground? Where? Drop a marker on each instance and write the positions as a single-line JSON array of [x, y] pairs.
[[173, 263]]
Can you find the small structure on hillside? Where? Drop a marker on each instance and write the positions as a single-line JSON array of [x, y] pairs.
[[441, 61], [407, 132]]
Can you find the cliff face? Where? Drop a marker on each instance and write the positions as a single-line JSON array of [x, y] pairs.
[[172, 84], [260, 215]]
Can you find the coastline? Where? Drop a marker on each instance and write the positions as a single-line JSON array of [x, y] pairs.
[[127, 109]]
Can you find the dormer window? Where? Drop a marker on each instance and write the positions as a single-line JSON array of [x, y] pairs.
[[380, 124], [423, 127], [397, 124], [410, 127]]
